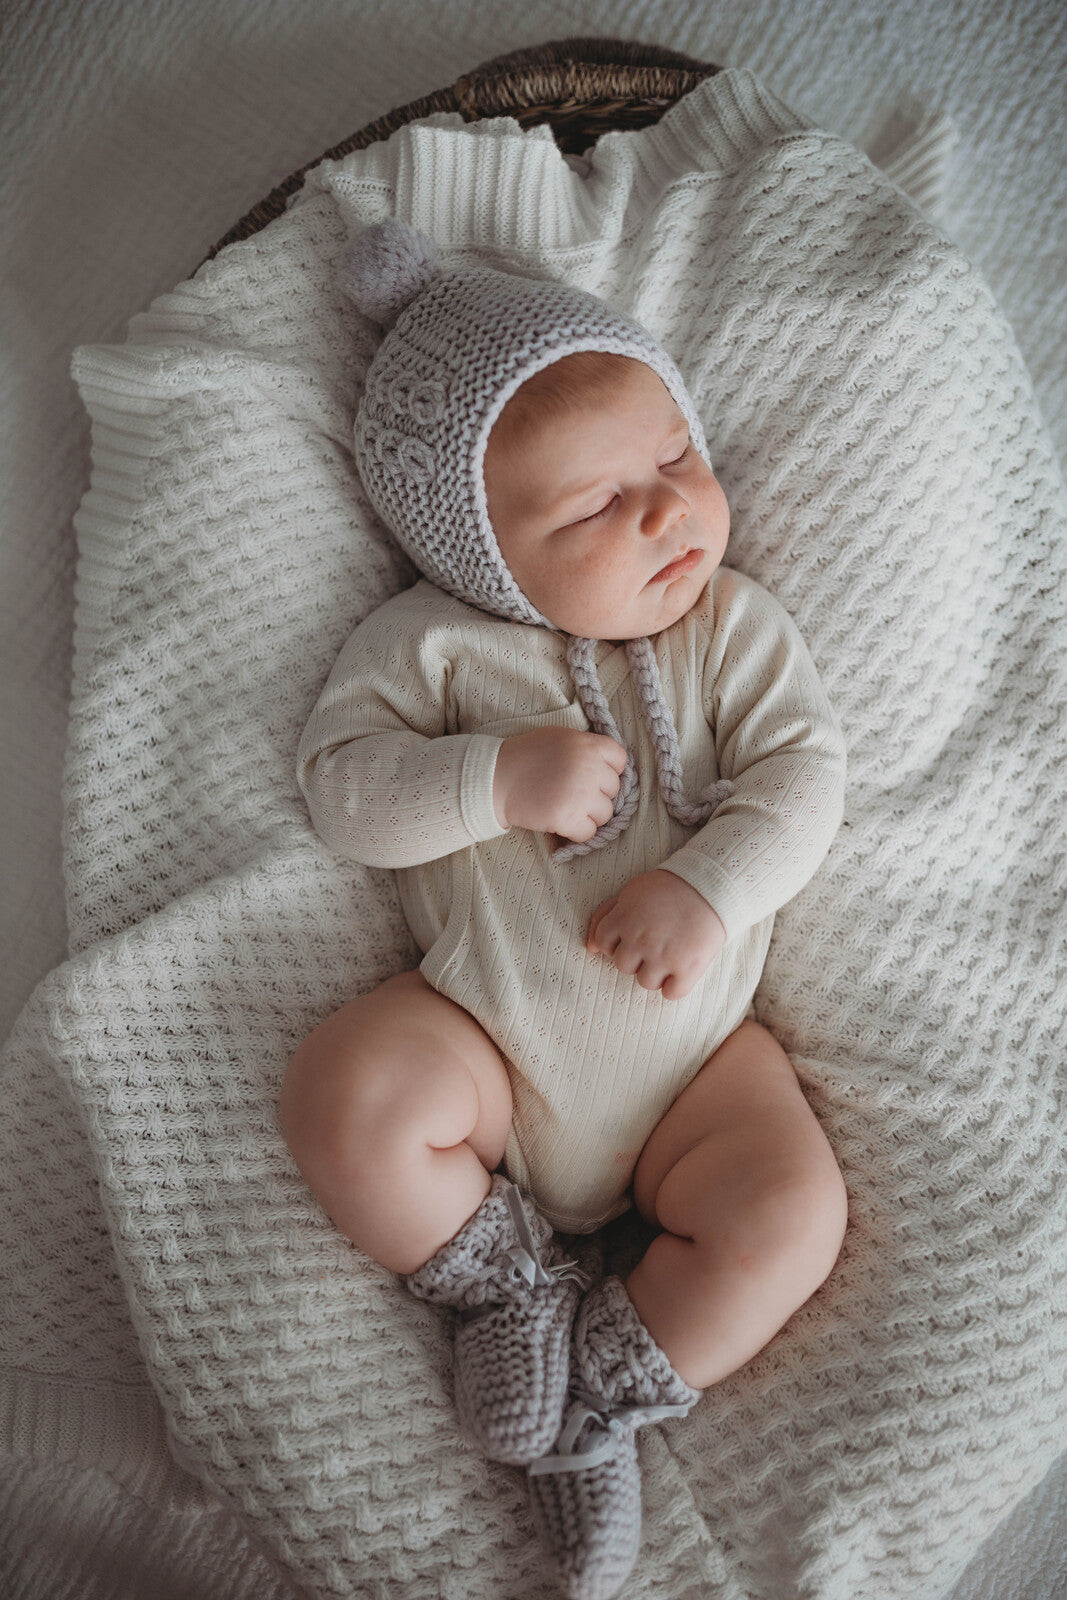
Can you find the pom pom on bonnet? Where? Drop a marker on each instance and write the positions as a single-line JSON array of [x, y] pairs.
[[457, 346]]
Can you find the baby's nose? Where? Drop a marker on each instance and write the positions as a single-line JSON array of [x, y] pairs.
[[666, 508]]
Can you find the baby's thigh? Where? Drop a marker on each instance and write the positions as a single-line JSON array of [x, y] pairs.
[[399, 1065], [746, 1111]]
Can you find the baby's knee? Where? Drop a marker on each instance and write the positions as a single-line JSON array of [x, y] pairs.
[[392, 1072], [338, 1096], [798, 1220]]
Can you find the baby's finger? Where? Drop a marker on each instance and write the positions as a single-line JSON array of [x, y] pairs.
[[602, 808], [595, 920], [625, 957], [613, 753], [676, 988]]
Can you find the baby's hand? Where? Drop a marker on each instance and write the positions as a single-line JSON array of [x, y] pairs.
[[659, 929], [557, 780]]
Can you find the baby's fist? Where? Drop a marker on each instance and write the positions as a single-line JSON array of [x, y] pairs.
[[557, 780], [660, 930]]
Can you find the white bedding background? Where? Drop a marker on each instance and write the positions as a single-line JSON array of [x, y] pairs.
[[136, 134]]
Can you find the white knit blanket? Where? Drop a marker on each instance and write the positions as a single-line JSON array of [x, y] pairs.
[[891, 483]]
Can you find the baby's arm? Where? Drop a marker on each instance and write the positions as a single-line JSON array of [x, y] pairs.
[[778, 741], [387, 783]]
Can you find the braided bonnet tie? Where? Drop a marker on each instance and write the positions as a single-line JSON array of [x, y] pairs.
[[664, 736]]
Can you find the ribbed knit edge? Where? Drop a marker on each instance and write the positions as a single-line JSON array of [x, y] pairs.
[[120, 390], [478, 192], [102, 1426], [476, 787], [919, 163], [719, 126], [713, 885]]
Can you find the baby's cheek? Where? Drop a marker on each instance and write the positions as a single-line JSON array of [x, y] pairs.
[[716, 510], [589, 592], [606, 575]]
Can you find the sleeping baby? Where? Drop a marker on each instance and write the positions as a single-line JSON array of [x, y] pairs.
[[599, 762]]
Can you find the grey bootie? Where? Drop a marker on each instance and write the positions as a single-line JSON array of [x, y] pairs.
[[585, 1496], [516, 1296]]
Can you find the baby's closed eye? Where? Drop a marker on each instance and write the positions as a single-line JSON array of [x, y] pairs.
[[594, 515]]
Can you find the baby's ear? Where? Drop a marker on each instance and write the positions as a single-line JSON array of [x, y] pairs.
[[386, 267]]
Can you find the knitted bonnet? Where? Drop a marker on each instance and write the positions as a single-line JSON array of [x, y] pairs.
[[457, 346]]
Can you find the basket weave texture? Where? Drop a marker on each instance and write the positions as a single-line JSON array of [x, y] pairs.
[[581, 87]]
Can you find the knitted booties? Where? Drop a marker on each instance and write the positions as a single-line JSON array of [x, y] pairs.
[[503, 1271], [586, 1496]]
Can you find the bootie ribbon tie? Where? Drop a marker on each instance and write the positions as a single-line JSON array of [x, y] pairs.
[[525, 1258], [614, 1421], [526, 1262]]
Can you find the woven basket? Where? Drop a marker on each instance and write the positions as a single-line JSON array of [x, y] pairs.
[[580, 87]]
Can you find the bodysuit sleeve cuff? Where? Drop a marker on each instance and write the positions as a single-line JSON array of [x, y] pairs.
[[725, 897], [476, 788]]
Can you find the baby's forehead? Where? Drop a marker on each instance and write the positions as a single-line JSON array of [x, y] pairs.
[[585, 376], [581, 383], [553, 449]]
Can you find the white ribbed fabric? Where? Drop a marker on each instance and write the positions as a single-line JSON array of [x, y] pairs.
[[891, 483], [397, 765]]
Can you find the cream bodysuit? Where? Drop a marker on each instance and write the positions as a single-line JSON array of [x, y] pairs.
[[397, 765]]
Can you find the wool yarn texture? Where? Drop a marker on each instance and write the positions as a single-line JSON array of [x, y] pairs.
[[586, 1498], [506, 1275], [891, 483]]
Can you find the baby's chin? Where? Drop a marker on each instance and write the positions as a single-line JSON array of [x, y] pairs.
[[616, 631], [679, 599]]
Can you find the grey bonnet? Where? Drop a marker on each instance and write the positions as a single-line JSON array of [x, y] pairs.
[[457, 345]]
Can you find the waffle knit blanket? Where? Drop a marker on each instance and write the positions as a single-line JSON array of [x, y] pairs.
[[891, 483]]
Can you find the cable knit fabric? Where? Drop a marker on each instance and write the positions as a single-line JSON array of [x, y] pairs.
[[891, 483], [397, 764]]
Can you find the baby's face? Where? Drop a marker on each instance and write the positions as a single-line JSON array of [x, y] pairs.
[[609, 520]]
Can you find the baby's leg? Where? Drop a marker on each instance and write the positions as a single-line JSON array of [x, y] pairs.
[[741, 1177], [397, 1110]]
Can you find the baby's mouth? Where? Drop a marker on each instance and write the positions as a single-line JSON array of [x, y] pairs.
[[679, 566]]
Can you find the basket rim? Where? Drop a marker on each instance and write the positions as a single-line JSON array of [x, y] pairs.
[[636, 81]]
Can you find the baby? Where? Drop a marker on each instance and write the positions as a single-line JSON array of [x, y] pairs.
[[599, 762]]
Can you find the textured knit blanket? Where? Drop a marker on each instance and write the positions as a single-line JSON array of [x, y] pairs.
[[891, 482]]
